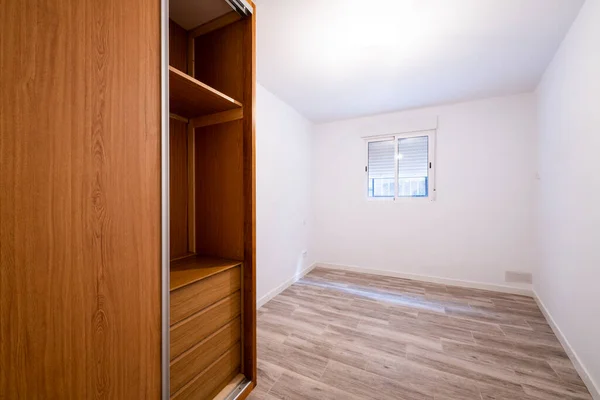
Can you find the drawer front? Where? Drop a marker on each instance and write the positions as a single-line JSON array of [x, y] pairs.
[[202, 355], [198, 327], [190, 299], [212, 380]]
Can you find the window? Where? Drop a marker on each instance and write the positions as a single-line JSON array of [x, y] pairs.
[[401, 166]]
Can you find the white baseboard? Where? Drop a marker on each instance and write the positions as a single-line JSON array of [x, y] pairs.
[[272, 293], [581, 370], [434, 279]]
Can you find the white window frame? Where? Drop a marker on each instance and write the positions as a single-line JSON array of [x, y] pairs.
[[431, 146]]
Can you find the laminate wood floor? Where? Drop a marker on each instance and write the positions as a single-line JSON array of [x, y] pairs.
[[343, 335]]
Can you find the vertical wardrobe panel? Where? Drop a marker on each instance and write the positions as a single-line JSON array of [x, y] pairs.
[[80, 199], [178, 46], [249, 123], [178, 172], [178, 149]]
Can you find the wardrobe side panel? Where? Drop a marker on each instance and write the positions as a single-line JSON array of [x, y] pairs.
[[178, 155], [178, 172], [249, 161], [178, 46]]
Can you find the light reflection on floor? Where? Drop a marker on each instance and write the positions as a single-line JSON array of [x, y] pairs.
[[390, 298]]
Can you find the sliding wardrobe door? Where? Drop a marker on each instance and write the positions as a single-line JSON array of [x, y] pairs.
[[80, 208]]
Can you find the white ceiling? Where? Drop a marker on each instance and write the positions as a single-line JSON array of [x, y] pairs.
[[335, 59]]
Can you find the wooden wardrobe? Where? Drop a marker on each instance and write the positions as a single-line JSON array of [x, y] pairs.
[[127, 195], [212, 216]]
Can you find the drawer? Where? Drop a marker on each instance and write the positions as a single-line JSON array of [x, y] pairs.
[[198, 327], [203, 354], [212, 380], [194, 297]]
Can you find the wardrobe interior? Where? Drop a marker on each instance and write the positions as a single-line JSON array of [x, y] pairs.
[[212, 190]]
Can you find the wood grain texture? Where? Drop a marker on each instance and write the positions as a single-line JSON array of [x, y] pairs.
[[196, 328], [337, 334], [220, 191], [179, 189], [230, 387], [79, 199], [192, 298], [249, 365], [191, 188], [190, 14], [214, 24], [180, 185], [199, 357], [191, 269], [178, 46], [179, 118], [190, 57], [191, 98], [218, 118], [210, 382], [219, 58]]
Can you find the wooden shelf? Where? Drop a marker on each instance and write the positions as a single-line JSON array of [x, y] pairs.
[[191, 98], [194, 268]]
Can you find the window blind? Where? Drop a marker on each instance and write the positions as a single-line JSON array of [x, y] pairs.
[[413, 166], [412, 157], [381, 166]]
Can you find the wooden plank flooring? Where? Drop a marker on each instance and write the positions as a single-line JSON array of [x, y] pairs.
[[344, 335]]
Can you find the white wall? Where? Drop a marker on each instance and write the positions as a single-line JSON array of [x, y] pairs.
[[568, 279], [282, 191], [481, 223]]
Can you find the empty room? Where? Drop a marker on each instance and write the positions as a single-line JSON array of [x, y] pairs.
[[290, 200]]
